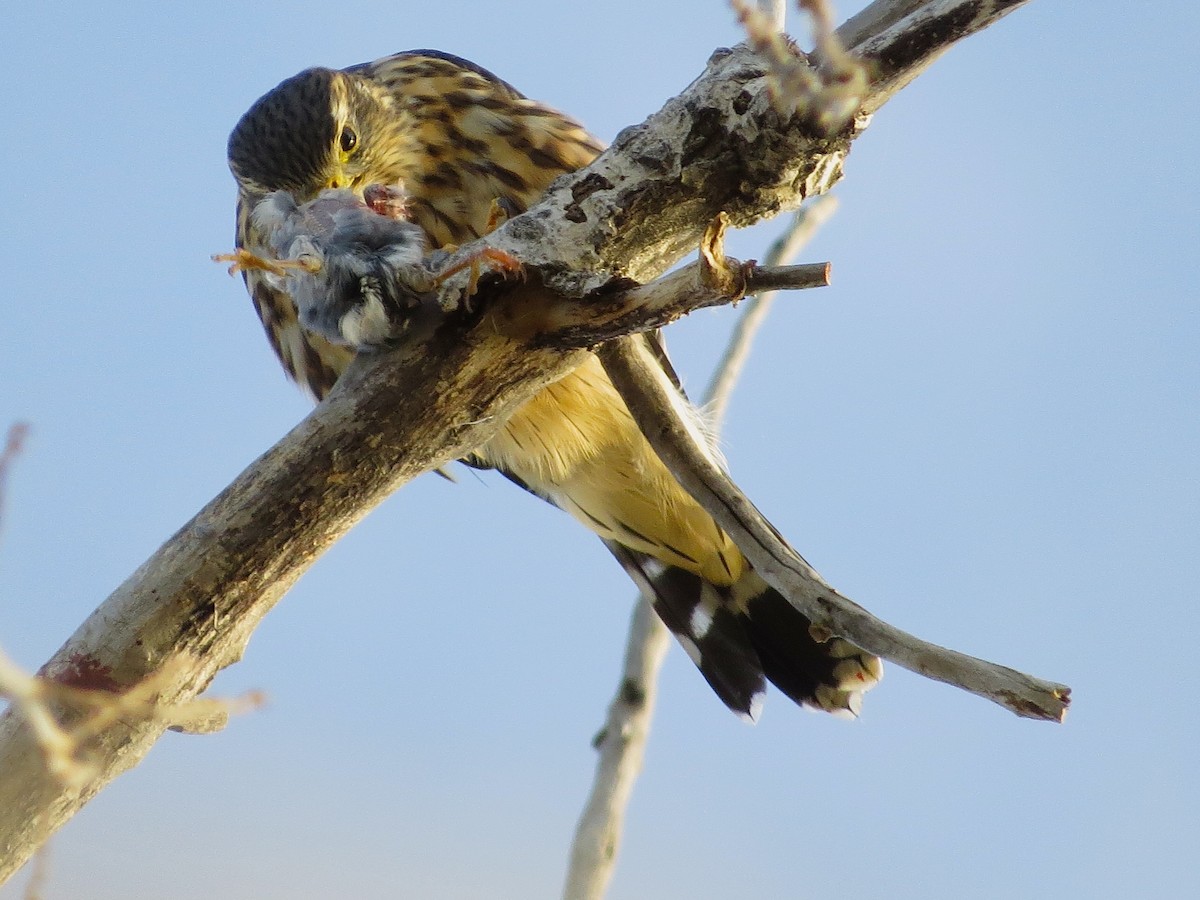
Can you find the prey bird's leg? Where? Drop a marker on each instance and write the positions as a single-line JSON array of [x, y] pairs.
[[242, 259]]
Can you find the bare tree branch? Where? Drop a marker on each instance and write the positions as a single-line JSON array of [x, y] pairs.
[[191, 608], [653, 402], [900, 39], [650, 306], [621, 744], [720, 146], [65, 719], [39, 875], [621, 741]]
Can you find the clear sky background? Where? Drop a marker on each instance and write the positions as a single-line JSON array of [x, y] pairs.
[[986, 431]]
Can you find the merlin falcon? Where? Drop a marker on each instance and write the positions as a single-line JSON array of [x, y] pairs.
[[462, 143]]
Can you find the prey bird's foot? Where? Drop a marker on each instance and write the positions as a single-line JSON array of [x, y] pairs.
[[242, 260]]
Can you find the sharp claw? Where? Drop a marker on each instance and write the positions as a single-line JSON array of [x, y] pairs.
[[499, 261]]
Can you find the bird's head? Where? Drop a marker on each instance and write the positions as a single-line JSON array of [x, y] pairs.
[[319, 129]]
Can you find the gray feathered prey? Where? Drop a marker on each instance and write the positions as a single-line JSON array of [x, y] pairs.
[[356, 269]]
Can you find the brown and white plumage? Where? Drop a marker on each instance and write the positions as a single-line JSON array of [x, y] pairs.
[[459, 139]]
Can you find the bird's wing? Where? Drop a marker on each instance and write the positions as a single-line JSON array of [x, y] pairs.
[[476, 140]]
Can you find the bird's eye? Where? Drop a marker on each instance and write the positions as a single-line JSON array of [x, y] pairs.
[[348, 140]]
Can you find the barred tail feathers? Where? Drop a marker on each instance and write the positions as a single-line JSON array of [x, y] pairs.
[[830, 675], [743, 636], [576, 445]]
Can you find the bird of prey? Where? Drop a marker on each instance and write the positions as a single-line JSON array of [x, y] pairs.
[[460, 141]]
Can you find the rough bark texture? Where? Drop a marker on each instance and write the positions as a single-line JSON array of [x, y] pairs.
[[719, 147]]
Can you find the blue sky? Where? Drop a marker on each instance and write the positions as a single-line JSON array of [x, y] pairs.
[[986, 431]]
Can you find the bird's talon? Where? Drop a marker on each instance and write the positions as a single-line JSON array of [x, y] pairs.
[[504, 263]]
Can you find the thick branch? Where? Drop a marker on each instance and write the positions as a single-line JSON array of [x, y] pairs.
[[720, 146], [203, 593], [651, 399]]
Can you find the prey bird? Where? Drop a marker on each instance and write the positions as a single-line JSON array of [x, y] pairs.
[[355, 267], [354, 274], [463, 143]]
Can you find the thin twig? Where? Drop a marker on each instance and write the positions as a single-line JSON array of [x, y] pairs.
[[47, 706], [611, 314], [91, 710], [828, 95], [620, 745], [39, 875]]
